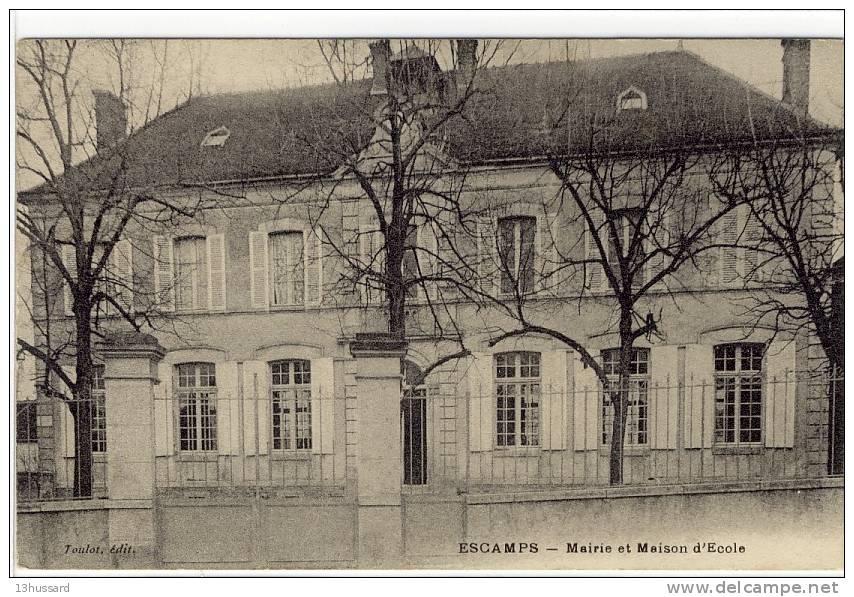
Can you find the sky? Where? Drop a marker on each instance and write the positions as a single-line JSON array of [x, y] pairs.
[[248, 64]]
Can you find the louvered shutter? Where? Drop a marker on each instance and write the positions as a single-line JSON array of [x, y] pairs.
[[547, 254], [314, 266], [481, 402], [122, 265], [727, 236], [699, 395], [663, 396], [587, 402], [428, 255], [228, 409], [487, 268], [372, 253], [779, 395], [216, 272], [164, 273], [164, 420], [750, 255], [258, 265], [256, 408], [553, 400], [595, 272], [69, 260], [322, 405], [657, 239]]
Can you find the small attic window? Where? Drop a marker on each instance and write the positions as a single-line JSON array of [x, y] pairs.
[[631, 99], [216, 138]]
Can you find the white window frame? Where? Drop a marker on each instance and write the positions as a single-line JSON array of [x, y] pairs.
[[755, 381], [639, 391], [523, 386], [299, 393], [632, 91], [99, 411], [516, 221], [197, 395], [270, 275], [194, 275]]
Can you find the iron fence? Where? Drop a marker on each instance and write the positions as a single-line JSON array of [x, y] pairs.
[[453, 439]]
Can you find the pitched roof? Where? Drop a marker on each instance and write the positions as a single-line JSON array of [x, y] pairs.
[[309, 130]]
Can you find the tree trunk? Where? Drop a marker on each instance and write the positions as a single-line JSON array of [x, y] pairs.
[[620, 403], [82, 403]]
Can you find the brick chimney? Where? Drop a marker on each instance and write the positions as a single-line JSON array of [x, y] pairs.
[[796, 74], [111, 121], [466, 55], [380, 55]]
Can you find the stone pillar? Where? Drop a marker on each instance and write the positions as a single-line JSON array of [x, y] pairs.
[[130, 374], [378, 458]]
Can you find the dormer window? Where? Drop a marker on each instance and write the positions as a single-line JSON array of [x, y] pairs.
[[631, 99], [216, 138]]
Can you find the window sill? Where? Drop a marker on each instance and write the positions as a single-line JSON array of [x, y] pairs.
[[627, 450], [737, 450], [285, 456], [287, 308], [198, 457], [502, 452]]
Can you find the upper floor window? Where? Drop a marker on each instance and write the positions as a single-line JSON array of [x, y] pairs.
[[517, 387], [189, 272], [626, 225], [287, 268], [196, 394], [99, 410], [631, 99], [290, 384], [516, 250], [637, 413], [738, 393], [191, 280]]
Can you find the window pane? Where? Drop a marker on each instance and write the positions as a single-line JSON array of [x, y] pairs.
[[291, 404], [287, 273], [191, 289], [527, 237], [507, 253]]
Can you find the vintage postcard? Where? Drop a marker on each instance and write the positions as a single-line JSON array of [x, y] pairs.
[[429, 304]]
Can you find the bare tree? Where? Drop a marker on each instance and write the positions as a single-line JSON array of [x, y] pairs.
[[394, 150], [794, 190], [629, 222], [77, 221]]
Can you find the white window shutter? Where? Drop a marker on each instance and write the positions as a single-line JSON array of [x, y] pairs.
[[67, 430], [749, 260], [164, 420], [487, 261], [164, 273], [728, 235], [547, 233], [699, 423], [372, 256], [258, 265], [228, 410], [587, 403], [216, 272], [663, 397], [69, 260], [122, 265], [779, 395], [313, 266], [657, 239], [256, 407], [322, 405], [595, 272], [553, 400], [481, 402]]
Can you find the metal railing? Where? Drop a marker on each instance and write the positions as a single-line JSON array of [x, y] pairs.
[[727, 429]]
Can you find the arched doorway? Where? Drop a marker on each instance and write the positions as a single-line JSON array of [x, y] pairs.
[[413, 413]]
